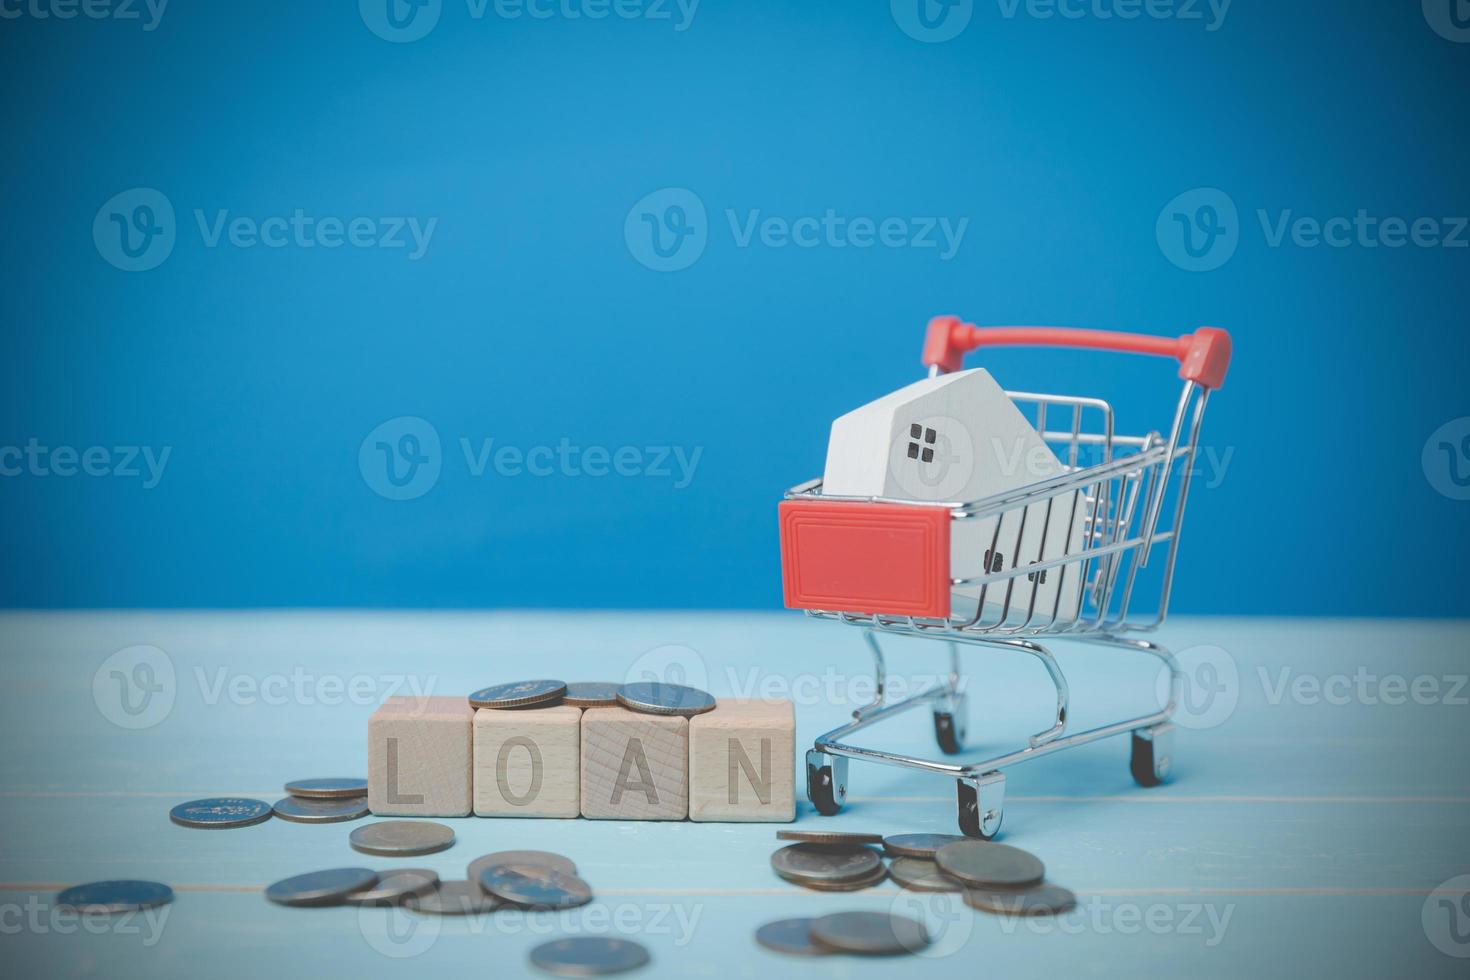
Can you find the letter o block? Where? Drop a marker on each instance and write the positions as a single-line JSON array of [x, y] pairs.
[[527, 762], [634, 766], [742, 762]]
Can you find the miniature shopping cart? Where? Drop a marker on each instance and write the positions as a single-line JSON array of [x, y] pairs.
[[883, 565]]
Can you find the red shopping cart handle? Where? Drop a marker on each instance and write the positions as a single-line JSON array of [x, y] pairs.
[[1203, 356]]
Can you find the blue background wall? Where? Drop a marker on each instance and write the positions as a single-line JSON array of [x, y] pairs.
[[530, 318]]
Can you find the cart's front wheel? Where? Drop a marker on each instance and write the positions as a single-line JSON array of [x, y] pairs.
[[826, 782], [1152, 754], [981, 805]]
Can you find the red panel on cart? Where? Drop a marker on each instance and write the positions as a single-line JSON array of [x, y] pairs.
[[869, 558]]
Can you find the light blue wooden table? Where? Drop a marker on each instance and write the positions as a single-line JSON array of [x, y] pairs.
[[1301, 834]]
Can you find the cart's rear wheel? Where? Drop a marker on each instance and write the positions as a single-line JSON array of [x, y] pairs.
[[949, 725], [1152, 754], [826, 782]]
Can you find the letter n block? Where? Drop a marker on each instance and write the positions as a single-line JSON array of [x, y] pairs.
[[742, 762], [634, 766], [527, 762], [419, 757]]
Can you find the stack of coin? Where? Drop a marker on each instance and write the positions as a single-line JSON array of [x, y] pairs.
[[658, 698], [530, 880], [860, 933], [519, 694], [328, 800], [1002, 879], [829, 860]]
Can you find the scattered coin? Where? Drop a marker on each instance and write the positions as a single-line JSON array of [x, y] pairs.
[[588, 956], [591, 695], [300, 809], [921, 876], [844, 885], [115, 896], [321, 887], [1044, 899], [918, 845], [395, 886], [401, 838], [870, 933], [657, 698], [791, 936], [220, 813], [327, 789], [813, 862], [989, 865], [544, 858], [454, 898], [535, 886], [829, 837], [521, 694]]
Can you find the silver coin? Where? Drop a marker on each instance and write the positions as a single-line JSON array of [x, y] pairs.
[[115, 896], [220, 813], [989, 865], [1043, 899], [844, 885], [658, 698], [321, 887], [839, 837], [544, 858], [454, 898], [815, 862], [870, 933], [921, 876], [401, 838], [521, 694], [395, 886], [300, 809], [588, 956], [535, 886], [918, 845], [591, 695], [790, 936], [327, 789]]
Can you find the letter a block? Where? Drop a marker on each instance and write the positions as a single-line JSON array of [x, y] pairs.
[[634, 766], [419, 757], [742, 762], [527, 762]]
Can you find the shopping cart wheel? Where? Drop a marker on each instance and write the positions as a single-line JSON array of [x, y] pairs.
[[1153, 751], [949, 725], [826, 781], [982, 801]]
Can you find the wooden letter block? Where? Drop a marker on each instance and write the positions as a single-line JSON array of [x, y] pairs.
[[634, 766], [419, 757], [742, 762], [527, 762]]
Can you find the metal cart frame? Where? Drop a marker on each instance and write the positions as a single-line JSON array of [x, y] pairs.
[[1124, 499]]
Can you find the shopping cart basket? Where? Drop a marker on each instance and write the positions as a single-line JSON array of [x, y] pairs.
[[883, 565]]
